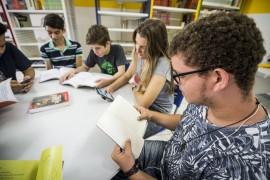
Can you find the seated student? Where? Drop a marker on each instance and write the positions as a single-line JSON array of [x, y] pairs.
[[12, 59], [60, 51], [150, 66], [109, 57], [224, 132]]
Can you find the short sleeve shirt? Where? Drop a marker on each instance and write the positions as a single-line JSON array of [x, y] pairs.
[[58, 58], [227, 153], [108, 63], [11, 60], [164, 101]]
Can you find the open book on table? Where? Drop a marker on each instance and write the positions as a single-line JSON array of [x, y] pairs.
[[85, 79], [50, 101], [53, 74], [120, 122], [7, 96], [78, 80], [48, 167]]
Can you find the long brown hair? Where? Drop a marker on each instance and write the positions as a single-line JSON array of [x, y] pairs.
[[155, 32]]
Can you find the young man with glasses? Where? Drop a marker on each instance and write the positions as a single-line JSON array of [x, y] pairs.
[[224, 131]]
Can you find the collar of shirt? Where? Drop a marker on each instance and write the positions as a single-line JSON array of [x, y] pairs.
[[68, 43]]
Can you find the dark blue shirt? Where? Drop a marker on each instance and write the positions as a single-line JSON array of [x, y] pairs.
[[11, 60]]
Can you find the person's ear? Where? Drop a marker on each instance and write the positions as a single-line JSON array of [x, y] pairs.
[[221, 79], [108, 43]]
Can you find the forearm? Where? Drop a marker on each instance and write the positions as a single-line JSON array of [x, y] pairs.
[[29, 72], [120, 82], [78, 61], [140, 175], [82, 68], [170, 121], [142, 101]]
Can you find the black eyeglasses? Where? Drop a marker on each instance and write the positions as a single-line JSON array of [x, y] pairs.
[[176, 76]]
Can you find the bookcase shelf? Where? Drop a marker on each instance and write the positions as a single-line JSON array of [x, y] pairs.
[[173, 9], [210, 6], [219, 6], [36, 11], [174, 14], [123, 14], [3, 19], [26, 23], [129, 19]]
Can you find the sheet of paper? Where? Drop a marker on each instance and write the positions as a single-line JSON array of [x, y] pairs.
[[6, 94]]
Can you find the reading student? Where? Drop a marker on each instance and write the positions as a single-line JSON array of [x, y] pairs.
[[150, 69], [224, 131], [109, 57], [60, 51], [11, 58]]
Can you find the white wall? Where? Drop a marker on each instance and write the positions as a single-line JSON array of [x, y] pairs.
[[263, 23], [85, 17]]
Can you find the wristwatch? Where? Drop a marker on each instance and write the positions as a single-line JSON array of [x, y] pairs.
[[133, 170]]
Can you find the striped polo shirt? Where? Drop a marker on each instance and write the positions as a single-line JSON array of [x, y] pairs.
[[59, 58]]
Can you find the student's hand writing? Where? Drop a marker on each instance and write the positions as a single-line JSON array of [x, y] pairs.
[[124, 158], [145, 113], [67, 75]]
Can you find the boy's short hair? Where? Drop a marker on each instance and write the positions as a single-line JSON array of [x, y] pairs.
[[3, 29], [54, 21], [97, 34]]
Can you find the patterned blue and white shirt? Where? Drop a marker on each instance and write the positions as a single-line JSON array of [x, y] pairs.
[[228, 153]]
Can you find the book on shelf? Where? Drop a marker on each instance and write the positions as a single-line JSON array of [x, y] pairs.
[[7, 96], [119, 122], [30, 5], [16, 4], [52, 4], [78, 80], [49, 166], [47, 102], [20, 20]]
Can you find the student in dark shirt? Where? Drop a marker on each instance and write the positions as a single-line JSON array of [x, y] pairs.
[[12, 59], [109, 57]]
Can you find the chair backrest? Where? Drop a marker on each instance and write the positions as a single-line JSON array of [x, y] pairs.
[[178, 97]]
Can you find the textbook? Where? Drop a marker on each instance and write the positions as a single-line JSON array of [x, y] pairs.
[[78, 80], [7, 96], [48, 102], [48, 167], [120, 122], [53, 74], [85, 79]]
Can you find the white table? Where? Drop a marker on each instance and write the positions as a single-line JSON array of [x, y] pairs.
[[86, 149]]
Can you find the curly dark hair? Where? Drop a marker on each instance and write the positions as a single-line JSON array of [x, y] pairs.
[[227, 40], [97, 34]]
